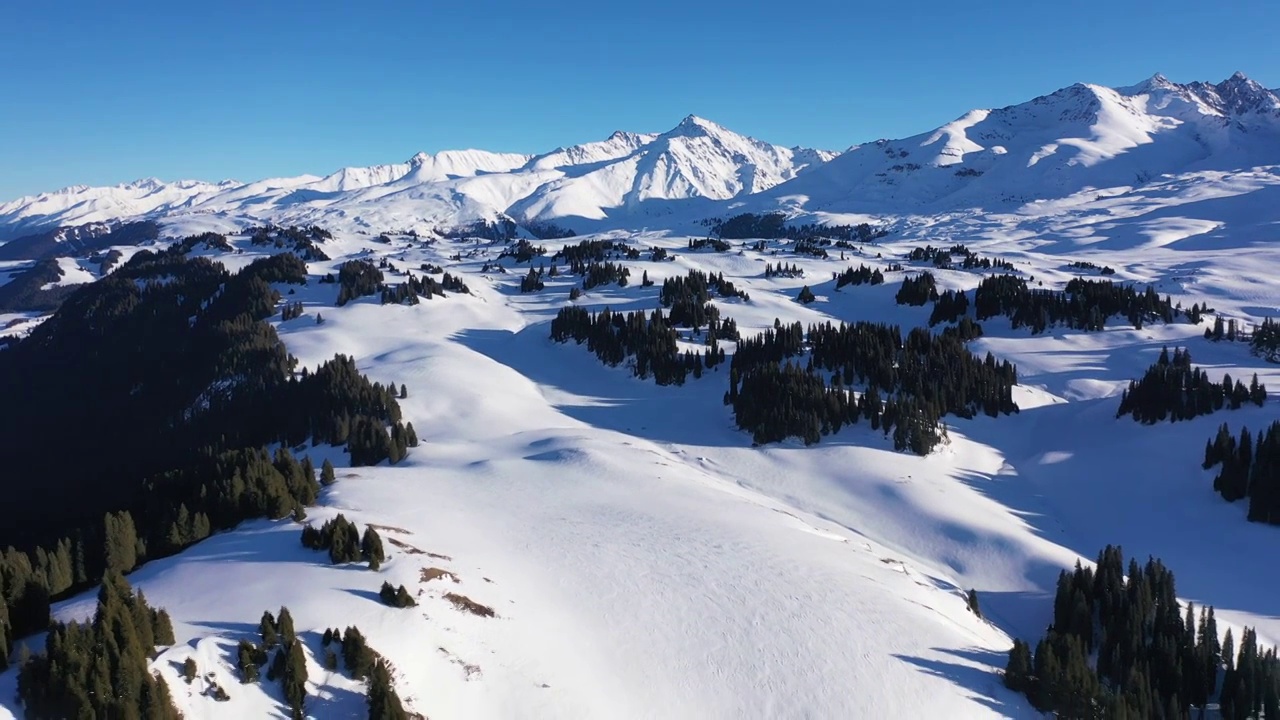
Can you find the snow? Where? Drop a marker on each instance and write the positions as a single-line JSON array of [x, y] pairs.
[[643, 559], [72, 272]]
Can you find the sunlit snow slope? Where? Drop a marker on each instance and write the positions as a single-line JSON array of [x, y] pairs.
[[642, 558]]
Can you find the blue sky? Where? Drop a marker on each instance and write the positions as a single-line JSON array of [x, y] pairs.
[[100, 93]]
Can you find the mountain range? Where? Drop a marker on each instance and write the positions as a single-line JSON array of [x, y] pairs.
[[1082, 136]]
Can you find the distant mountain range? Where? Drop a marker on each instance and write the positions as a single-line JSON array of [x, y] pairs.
[[1079, 137]]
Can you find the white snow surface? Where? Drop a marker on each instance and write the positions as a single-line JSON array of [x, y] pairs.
[[645, 561]]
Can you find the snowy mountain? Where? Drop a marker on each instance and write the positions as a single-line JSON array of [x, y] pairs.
[[578, 185], [642, 557], [1078, 137], [1083, 136]]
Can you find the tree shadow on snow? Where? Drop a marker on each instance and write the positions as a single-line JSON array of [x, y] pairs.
[[984, 685], [611, 397]]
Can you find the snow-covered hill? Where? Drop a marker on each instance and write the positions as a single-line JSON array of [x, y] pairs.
[[643, 558]]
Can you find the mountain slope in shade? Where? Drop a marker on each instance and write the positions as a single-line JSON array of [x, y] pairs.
[[1078, 137]]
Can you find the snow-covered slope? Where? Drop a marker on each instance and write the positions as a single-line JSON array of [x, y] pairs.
[[643, 558], [589, 183], [1078, 137], [81, 204]]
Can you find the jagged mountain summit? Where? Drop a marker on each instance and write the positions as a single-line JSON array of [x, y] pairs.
[[1082, 136]]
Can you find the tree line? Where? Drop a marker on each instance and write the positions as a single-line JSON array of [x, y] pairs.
[[1173, 389], [1083, 305], [99, 669], [910, 383], [945, 258], [189, 385], [1250, 469], [1120, 646], [917, 290], [651, 342], [774, 225], [862, 275]]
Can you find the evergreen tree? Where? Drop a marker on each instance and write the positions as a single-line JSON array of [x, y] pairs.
[[294, 677], [384, 703], [284, 626], [327, 476], [1017, 673], [267, 630], [371, 548]]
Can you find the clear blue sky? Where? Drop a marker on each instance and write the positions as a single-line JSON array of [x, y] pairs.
[[100, 93]]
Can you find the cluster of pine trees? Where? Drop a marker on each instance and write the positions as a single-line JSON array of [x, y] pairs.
[[522, 251], [950, 306], [945, 258], [1229, 331], [532, 281], [291, 311], [1086, 265], [356, 279], [715, 244], [651, 341], [861, 275], [588, 251], [918, 290], [281, 652], [1250, 469], [595, 274], [782, 270], [207, 241], [774, 225], [397, 597], [812, 248], [1083, 305], [99, 669], [363, 663], [342, 539], [910, 384], [414, 287], [189, 385], [1150, 659], [303, 242], [1265, 342], [500, 229], [689, 297], [1173, 389]]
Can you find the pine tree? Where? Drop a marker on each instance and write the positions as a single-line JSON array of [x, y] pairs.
[[327, 476], [971, 598], [1017, 673], [384, 703], [284, 626], [371, 548], [294, 677], [267, 630]]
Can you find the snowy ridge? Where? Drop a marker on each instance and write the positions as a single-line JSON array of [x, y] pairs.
[[1082, 136]]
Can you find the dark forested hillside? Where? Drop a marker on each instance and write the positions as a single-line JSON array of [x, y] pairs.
[[137, 419]]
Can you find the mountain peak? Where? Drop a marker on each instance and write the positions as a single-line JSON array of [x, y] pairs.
[[419, 158], [694, 125]]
